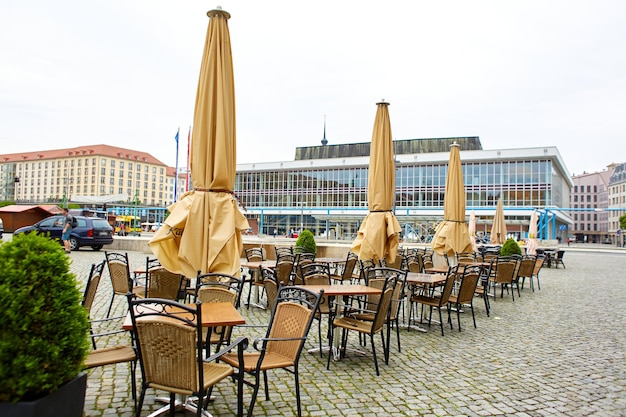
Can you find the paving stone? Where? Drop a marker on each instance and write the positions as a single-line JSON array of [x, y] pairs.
[[558, 351]]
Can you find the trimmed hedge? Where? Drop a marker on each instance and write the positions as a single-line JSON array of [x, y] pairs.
[[44, 328]]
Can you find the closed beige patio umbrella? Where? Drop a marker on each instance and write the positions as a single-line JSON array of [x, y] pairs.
[[531, 249], [451, 235], [498, 229], [203, 230], [379, 233], [471, 229]]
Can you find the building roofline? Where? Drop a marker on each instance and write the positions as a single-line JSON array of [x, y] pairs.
[[80, 151]]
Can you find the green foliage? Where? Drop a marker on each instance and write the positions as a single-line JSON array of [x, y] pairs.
[[510, 247], [6, 203], [306, 242], [622, 221], [44, 328]]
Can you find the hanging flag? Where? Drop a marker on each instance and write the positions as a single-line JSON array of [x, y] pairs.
[[188, 145], [176, 169]]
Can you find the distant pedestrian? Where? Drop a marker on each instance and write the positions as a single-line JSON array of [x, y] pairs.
[[275, 233], [67, 230]]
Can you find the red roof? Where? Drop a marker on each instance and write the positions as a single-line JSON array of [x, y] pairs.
[[52, 209], [87, 150]]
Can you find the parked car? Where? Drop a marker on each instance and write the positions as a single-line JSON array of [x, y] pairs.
[[91, 231]]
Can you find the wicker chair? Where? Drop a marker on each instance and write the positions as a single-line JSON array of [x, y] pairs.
[[318, 274], [345, 270], [281, 251], [364, 266], [558, 258], [482, 289], [161, 283], [465, 257], [170, 351], [113, 354], [213, 288], [376, 278], [302, 259], [254, 255], [465, 294], [281, 347], [438, 301], [271, 287], [368, 327], [540, 259], [526, 270], [121, 281], [504, 275], [284, 271]]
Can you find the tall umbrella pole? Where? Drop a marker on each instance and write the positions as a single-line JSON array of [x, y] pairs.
[[379, 233], [203, 230]]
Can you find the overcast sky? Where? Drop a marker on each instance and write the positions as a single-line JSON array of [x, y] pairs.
[[124, 73]]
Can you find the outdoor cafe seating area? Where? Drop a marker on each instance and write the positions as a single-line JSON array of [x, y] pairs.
[[329, 308]]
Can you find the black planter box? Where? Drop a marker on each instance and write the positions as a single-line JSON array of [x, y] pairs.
[[67, 401]]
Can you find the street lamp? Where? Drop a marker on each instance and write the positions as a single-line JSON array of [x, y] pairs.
[[302, 205]]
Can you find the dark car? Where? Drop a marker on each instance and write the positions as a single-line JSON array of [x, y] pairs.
[[91, 231]]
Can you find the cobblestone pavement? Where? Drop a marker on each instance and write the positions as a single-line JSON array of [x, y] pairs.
[[559, 351]]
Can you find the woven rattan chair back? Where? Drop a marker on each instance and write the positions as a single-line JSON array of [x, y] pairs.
[[178, 343], [93, 281], [161, 283], [119, 271], [281, 251], [215, 287], [284, 271], [255, 255], [505, 271], [291, 320], [169, 343], [465, 257], [469, 282]]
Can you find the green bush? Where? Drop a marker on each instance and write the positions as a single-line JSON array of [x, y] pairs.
[[510, 247], [44, 328], [306, 242]]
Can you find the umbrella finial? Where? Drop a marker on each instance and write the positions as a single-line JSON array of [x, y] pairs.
[[382, 102], [218, 11]]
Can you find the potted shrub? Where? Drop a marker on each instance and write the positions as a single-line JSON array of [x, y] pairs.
[[510, 247], [44, 328], [306, 242]]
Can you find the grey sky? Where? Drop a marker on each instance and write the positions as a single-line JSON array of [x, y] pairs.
[[515, 73]]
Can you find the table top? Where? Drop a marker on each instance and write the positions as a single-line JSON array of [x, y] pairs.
[[258, 264], [437, 270], [345, 289], [329, 260], [475, 263], [421, 278], [213, 315]]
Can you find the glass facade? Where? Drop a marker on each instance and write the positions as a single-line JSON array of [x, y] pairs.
[[332, 193], [519, 183]]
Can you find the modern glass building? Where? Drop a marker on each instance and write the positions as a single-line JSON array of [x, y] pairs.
[[324, 188]]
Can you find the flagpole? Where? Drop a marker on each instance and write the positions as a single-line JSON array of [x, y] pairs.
[[188, 145], [176, 169]]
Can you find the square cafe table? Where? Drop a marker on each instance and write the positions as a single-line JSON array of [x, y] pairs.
[[418, 279], [335, 290], [213, 315]]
